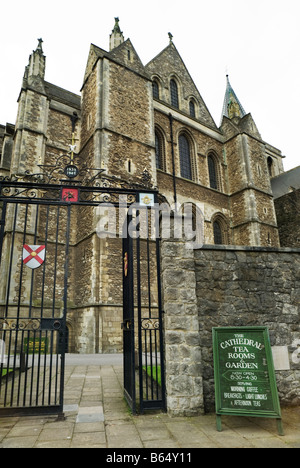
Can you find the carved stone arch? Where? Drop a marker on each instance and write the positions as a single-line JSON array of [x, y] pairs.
[[220, 228], [177, 78], [188, 133]]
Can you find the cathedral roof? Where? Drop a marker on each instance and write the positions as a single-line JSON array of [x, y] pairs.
[[232, 106], [62, 95]]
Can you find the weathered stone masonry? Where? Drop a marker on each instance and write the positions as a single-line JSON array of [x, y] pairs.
[[182, 333], [225, 286]]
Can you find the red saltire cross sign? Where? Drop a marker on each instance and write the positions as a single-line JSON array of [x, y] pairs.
[[34, 255]]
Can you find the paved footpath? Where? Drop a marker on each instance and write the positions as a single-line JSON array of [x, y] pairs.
[[97, 417]]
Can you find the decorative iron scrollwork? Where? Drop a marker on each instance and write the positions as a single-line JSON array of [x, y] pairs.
[[150, 324], [19, 324], [56, 173], [22, 190], [30, 324], [16, 192]]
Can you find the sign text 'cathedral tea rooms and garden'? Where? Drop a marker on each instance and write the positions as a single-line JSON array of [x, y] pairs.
[[245, 383]]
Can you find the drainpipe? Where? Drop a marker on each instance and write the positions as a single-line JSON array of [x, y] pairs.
[[173, 159]]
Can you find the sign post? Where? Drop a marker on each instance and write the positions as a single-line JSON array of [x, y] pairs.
[[245, 383]]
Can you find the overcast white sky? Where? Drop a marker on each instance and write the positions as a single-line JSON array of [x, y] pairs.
[[256, 42]]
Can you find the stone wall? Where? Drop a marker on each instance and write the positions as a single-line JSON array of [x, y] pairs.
[[288, 218], [184, 383], [250, 287], [226, 286]]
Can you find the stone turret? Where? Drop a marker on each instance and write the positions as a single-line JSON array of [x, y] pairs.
[[253, 214], [31, 125], [35, 71]]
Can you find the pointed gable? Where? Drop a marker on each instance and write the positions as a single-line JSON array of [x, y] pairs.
[[248, 125], [94, 54], [126, 55], [236, 125], [169, 65]]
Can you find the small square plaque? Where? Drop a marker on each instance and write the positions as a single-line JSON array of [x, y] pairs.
[[147, 199], [281, 358], [70, 195]]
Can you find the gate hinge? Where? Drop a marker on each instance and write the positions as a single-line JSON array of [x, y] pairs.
[[127, 324]]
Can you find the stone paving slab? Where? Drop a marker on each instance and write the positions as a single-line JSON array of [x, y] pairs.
[[96, 416], [90, 414]]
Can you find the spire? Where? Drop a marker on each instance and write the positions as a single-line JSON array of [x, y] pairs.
[[116, 38], [232, 106], [37, 62], [35, 71]]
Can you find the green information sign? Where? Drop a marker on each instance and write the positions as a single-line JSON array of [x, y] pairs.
[[245, 383], [36, 345]]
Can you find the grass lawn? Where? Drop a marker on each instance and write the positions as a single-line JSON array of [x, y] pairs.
[[156, 373]]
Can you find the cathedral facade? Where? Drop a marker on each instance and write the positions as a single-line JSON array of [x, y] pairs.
[[139, 122]]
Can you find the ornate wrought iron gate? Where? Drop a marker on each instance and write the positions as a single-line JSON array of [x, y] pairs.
[[34, 262], [128, 324], [142, 305], [35, 231]]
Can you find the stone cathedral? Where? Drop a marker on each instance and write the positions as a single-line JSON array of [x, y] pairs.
[[149, 123]]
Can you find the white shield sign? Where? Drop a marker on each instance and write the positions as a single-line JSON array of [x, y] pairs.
[[34, 255]]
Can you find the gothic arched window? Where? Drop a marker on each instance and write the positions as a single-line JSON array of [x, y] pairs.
[[212, 170], [155, 90], [270, 166], [159, 151], [192, 109], [185, 157], [220, 227], [174, 94], [218, 237]]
